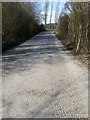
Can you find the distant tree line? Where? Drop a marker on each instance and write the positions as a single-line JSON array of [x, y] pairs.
[[74, 25], [20, 21]]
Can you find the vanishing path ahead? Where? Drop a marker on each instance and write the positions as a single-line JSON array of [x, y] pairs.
[[41, 79]]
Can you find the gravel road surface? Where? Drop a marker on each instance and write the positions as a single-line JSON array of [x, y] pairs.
[[41, 79]]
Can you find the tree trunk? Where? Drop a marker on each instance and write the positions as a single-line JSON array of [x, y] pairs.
[[79, 39]]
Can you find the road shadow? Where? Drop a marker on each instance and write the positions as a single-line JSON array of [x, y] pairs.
[[40, 49]]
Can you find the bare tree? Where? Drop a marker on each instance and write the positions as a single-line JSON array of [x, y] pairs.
[[46, 11], [20, 22], [57, 12], [51, 14], [77, 26]]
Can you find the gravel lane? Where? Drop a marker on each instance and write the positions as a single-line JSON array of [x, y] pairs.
[[41, 79]]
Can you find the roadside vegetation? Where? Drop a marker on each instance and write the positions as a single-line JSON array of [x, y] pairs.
[[73, 26], [20, 21]]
